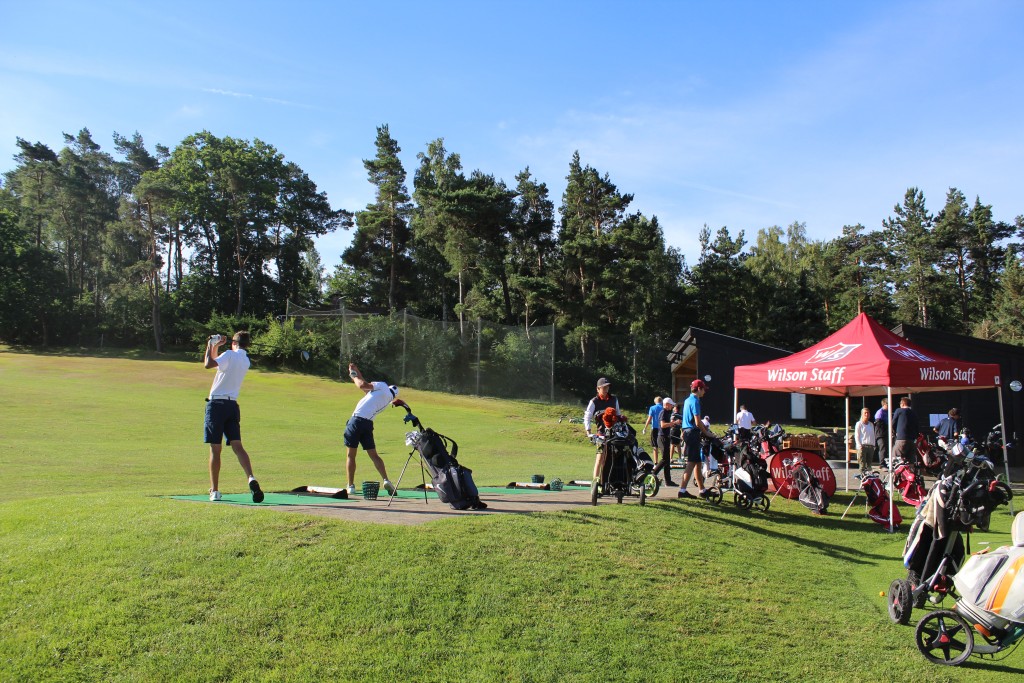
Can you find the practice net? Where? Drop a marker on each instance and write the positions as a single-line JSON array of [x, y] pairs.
[[477, 357]]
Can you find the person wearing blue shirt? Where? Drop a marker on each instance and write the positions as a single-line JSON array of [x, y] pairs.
[[949, 427], [693, 428], [653, 421]]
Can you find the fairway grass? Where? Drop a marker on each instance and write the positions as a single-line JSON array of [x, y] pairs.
[[102, 577]]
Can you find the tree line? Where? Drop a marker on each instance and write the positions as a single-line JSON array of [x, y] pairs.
[[155, 248]]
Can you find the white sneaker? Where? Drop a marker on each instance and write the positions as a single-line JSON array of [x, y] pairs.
[[214, 495], [351, 489], [389, 487]]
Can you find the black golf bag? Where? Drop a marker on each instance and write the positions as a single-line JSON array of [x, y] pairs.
[[452, 482], [752, 474], [812, 495]]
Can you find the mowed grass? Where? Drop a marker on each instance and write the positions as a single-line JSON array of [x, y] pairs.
[[104, 578]]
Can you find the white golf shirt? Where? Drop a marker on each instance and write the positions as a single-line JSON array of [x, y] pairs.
[[744, 419], [376, 399], [231, 369]]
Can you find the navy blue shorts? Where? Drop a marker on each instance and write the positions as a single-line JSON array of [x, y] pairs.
[[691, 445], [223, 421], [359, 432]]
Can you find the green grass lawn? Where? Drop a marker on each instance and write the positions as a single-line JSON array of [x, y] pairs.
[[104, 578]]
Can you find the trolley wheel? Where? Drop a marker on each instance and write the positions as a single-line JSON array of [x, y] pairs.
[[763, 503], [944, 637], [714, 495], [593, 495], [618, 497], [914, 580], [900, 598], [745, 503], [643, 496], [737, 499], [651, 484]]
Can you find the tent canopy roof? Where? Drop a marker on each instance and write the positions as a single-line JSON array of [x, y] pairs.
[[865, 359]]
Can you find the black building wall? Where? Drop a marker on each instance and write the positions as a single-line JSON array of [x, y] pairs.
[[718, 355]]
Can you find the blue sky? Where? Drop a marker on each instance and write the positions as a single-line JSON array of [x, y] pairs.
[[742, 114]]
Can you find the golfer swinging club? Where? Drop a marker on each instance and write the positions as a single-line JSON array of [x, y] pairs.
[[223, 417], [359, 429]]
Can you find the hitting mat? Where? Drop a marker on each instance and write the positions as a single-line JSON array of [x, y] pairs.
[[271, 499], [293, 498]]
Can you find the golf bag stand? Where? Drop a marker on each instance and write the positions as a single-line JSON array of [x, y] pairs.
[[409, 417], [423, 476]]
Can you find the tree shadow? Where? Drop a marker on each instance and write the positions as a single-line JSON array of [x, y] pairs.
[[744, 520]]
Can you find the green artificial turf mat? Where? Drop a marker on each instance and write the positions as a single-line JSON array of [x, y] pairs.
[[269, 499]]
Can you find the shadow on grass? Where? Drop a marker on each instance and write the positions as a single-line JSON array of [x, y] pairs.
[[746, 520]]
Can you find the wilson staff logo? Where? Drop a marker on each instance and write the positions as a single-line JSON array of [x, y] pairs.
[[833, 353], [908, 353]]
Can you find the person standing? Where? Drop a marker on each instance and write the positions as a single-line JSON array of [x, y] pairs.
[[670, 423], [744, 423], [597, 406], [223, 416], [882, 431], [905, 428], [654, 422], [359, 428], [864, 439], [693, 428], [948, 428]]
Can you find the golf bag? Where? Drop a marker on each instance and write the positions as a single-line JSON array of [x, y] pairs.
[[909, 484], [452, 482], [751, 475], [878, 502], [812, 494]]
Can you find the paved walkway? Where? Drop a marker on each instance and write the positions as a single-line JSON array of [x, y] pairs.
[[416, 511]]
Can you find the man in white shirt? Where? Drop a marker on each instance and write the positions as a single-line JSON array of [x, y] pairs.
[[359, 429], [223, 417], [864, 440], [744, 423]]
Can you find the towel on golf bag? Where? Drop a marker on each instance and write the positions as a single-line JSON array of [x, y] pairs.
[[454, 485], [812, 495]]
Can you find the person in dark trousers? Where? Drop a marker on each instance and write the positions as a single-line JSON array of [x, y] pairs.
[[223, 416], [670, 423], [905, 428], [882, 431], [596, 407]]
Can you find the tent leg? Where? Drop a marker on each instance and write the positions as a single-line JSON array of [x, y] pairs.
[[1002, 428], [847, 445], [888, 426]]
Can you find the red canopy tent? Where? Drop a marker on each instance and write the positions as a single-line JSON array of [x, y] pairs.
[[865, 359]]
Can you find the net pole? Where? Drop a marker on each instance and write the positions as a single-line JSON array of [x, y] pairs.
[[478, 356], [341, 343], [552, 362], [405, 327]]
